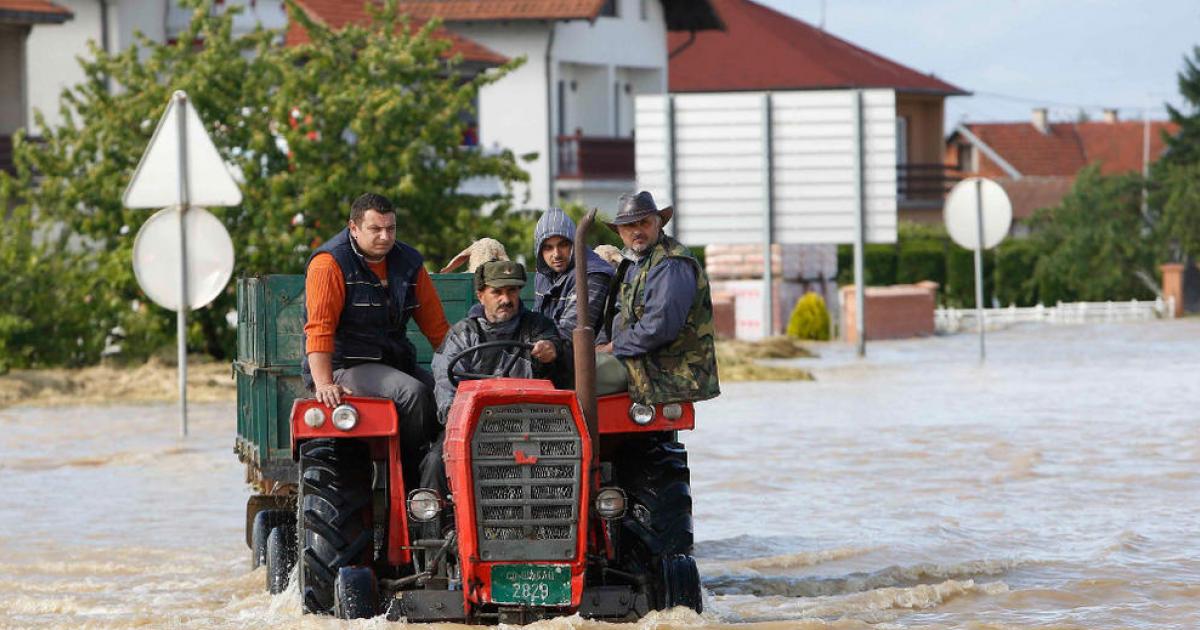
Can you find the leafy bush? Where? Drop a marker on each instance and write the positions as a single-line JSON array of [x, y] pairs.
[[921, 260], [809, 319], [959, 290], [879, 264], [1015, 259]]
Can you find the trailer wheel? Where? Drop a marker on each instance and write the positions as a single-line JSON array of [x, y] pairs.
[[355, 593], [280, 557], [264, 522], [334, 516]]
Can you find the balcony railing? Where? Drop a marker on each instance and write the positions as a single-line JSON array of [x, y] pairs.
[[925, 181], [591, 157]]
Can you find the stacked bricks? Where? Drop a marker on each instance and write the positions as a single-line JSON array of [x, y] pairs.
[[788, 262], [895, 312], [736, 272]]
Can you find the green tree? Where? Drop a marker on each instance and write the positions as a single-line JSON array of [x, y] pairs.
[[377, 107], [1184, 147], [1096, 244]]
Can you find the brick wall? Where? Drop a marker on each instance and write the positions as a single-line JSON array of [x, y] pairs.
[[895, 312]]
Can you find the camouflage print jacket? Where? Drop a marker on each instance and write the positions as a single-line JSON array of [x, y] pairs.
[[682, 369]]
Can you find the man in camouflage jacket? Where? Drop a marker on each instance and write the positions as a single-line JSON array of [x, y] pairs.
[[663, 330]]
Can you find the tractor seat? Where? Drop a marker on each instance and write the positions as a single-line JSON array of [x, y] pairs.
[[611, 376]]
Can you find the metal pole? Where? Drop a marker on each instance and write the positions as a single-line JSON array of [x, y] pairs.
[[672, 227], [860, 229], [979, 263], [768, 192], [181, 315]]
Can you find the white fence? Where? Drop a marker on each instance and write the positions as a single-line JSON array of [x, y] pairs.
[[952, 320]]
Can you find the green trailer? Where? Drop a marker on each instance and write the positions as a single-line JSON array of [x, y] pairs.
[[270, 347]]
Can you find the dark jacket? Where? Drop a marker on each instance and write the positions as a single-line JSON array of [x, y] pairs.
[[374, 318], [555, 292], [526, 326]]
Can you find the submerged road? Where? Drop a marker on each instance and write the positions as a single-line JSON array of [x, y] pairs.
[[1055, 486]]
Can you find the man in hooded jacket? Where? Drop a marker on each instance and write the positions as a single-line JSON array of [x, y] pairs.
[[554, 284]]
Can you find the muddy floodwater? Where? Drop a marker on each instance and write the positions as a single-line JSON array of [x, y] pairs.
[[1056, 486]]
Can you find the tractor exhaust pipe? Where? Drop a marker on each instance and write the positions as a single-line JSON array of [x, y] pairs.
[[584, 336]]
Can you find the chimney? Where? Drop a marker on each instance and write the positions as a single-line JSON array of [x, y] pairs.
[[1040, 120], [1110, 116]]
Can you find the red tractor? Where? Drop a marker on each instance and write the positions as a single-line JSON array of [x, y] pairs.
[[560, 502]]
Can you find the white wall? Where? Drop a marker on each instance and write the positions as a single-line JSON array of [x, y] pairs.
[[50, 58], [52, 49], [512, 111]]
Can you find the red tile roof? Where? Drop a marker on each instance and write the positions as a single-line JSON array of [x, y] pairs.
[[32, 12], [338, 13], [1030, 194], [1068, 147], [470, 10], [763, 49]]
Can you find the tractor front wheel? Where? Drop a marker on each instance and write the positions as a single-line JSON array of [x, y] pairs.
[[334, 516]]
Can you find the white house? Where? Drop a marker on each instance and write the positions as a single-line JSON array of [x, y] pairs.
[[51, 52], [571, 103]]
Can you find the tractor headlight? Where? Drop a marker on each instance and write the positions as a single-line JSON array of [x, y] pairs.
[[610, 503], [641, 414], [345, 417], [423, 505], [672, 411], [314, 417]]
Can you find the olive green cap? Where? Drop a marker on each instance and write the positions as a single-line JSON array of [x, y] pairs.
[[500, 273]]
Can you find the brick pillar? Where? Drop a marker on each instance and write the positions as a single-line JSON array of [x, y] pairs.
[[1172, 285]]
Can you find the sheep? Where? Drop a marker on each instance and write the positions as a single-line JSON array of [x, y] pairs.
[[609, 253], [477, 253]]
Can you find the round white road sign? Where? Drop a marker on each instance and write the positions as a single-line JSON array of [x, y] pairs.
[[156, 257], [961, 213]]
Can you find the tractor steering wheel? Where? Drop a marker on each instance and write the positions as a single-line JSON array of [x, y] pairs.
[[455, 375]]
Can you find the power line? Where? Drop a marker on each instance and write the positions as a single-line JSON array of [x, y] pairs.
[[1042, 101]]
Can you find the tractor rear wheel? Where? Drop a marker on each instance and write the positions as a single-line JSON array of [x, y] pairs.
[[656, 530], [681, 583], [334, 516]]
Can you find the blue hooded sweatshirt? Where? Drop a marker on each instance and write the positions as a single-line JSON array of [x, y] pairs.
[[555, 292]]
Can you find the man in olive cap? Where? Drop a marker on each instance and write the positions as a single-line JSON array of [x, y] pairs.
[[663, 329], [500, 315]]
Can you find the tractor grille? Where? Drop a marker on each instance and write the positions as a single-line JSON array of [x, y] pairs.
[[526, 463]]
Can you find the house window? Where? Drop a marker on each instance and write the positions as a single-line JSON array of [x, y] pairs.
[[609, 9]]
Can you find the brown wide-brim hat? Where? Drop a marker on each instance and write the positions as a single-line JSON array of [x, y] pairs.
[[632, 208]]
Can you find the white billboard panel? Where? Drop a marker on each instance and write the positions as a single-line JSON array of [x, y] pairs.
[[711, 164]]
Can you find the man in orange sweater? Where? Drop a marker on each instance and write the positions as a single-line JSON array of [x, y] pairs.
[[361, 289]]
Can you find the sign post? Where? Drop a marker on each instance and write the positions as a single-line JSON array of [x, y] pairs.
[[180, 153], [978, 216]]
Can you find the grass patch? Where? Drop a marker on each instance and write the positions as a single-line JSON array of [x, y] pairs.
[[738, 360], [153, 381]]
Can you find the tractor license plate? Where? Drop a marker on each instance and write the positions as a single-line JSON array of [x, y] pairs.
[[531, 584]]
